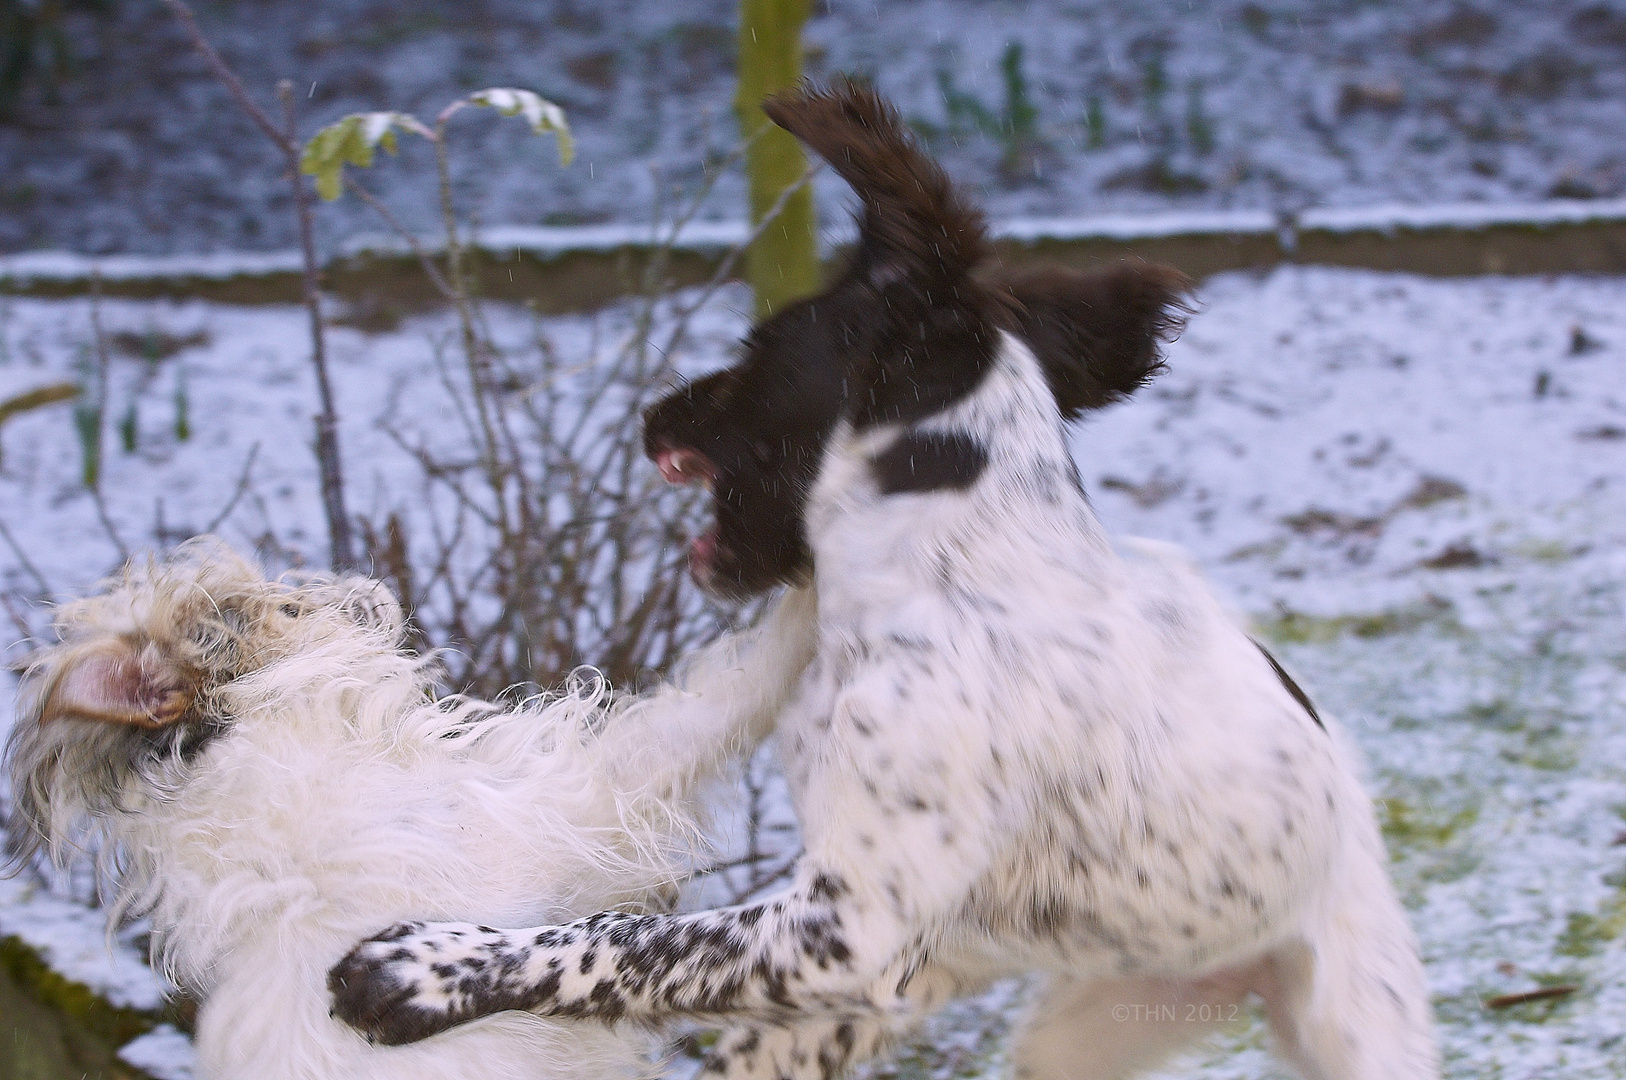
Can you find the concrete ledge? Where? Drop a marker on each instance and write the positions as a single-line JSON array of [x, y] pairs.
[[574, 269]]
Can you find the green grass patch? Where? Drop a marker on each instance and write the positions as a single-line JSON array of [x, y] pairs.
[[1411, 825], [1296, 627], [1585, 934], [1426, 837]]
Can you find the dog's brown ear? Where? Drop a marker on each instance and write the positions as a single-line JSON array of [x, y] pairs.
[[915, 225], [120, 682], [1099, 335]]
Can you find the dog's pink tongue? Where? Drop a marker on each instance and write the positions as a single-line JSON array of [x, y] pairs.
[[702, 549]]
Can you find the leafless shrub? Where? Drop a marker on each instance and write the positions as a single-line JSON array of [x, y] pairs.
[[550, 542], [542, 540]]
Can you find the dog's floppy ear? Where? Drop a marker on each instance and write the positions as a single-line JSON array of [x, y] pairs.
[[915, 227], [1099, 335], [119, 682]]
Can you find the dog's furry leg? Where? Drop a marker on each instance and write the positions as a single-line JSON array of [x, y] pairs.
[[815, 948], [820, 1048], [721, 705], [1108, 1029], [1348, 1001], [826, 1046], [846, 938]]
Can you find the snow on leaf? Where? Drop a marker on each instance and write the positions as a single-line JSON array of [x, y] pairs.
[[351, 141], [542, 114]]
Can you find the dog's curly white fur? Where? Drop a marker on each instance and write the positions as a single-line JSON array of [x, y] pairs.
[[265, 768], [1018, 748]]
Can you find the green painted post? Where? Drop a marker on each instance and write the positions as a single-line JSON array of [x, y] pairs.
[[783, 264]]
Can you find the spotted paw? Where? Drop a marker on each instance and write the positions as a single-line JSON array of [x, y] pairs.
[[412, 981]]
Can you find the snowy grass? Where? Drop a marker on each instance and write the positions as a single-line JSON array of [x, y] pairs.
[[1415, 488], [1199, 106]]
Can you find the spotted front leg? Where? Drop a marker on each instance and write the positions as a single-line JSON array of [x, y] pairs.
[[819, 1049], [826, 1046], [810, 948]]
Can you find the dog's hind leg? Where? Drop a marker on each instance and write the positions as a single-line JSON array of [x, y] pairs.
[[1106, 1029], [814, 1049], [1351, 1010], [821, 1047], [1348, 1001]]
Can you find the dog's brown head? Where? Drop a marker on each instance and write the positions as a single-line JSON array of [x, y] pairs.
[[908, 329]]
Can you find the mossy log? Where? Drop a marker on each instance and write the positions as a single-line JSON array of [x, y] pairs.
[[52, 1028]]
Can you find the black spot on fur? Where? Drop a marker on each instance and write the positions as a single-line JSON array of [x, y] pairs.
[[827, 886], [922, 461], [1293, 688], [837, 1052]]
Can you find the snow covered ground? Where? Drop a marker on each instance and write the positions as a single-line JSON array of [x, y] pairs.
[[1048, 107], [1415, 488]]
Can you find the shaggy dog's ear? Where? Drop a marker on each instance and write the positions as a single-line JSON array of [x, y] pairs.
[[1099, 335], [915, 228], [119, 682]]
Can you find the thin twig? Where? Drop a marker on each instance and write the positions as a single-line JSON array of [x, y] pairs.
[[342, 549], [24, 562], [726, 268], [284, 142], [237, 493], [1503, 1001], [420, 252], [107, 523]]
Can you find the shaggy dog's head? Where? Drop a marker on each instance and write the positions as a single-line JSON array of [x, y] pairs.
[[133, 691], [907, 330]]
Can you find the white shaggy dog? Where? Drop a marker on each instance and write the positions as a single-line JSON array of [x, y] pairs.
[[1016, 749], [266, 769]]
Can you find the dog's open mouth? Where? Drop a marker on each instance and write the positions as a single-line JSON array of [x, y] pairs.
[[686, 467]]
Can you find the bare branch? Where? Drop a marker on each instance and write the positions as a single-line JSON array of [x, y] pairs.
[[342, 550], [418, 250], [107, 524], [25, 563], [237, 493], [342, 554], [284, 142], [726, 268]]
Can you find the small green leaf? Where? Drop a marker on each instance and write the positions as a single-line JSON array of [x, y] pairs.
[[351, 141], [543, 115]]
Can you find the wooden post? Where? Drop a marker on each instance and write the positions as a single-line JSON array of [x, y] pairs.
[[783, 263]]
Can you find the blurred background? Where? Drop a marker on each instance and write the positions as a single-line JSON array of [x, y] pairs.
[[117, 139], [1394, 432]]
